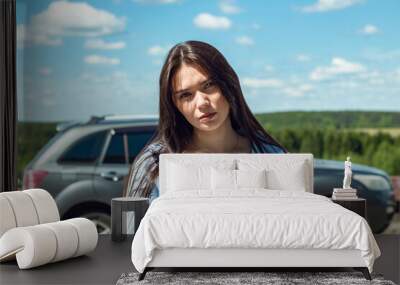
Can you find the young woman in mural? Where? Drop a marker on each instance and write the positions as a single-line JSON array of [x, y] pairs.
[[202, 110]]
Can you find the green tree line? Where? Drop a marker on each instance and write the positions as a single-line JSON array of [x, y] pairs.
[[380, 150], [329, 119], [328, 135]]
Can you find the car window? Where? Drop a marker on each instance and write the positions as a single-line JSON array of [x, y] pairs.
[[115, 152], [85, 150], [136, 142], [133, 142]]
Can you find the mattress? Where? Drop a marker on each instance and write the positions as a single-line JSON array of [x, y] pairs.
[[250, 219]]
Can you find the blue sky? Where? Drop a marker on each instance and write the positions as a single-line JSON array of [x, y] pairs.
[[81, 58]]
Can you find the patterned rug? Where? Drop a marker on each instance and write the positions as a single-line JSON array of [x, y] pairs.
[[229, 278]]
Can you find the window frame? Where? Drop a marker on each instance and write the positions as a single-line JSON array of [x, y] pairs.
[[75, 143], [125, 131]]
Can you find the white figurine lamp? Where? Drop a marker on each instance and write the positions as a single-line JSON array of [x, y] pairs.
[[347, 174], [345, 193]]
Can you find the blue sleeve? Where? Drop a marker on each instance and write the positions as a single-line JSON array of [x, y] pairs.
[[154, 193], [138, 172], [271, 148], [276, 149]]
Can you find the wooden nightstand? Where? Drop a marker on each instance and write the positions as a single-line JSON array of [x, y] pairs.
[[358, 205]]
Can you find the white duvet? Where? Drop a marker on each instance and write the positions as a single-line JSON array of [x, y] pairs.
[[253, 218]]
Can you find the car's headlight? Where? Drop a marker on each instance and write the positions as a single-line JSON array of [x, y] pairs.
[[373, 182]]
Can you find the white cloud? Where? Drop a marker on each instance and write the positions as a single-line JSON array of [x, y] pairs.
[[303, 57], [261, 82], [291, 87], [269, 68], [369, 75], [369, 30], [329, 5], [379, 78], [377, 81], [245, 41], [119, 75], [345, 84], [338, 66], [26, 37], [63, 18], [109, 78], [208, 21], [158, 50], [306, 87], [368, 81], [100, 44], [98, 59], [396, 75], [298, 91], [229, 7], [379, 55], [157, 62], [45, 71], [295, 79]]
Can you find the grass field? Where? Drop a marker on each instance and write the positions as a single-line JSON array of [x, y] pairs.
[[394, 132]]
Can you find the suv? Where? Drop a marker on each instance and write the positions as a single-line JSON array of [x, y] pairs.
[[85, 165]]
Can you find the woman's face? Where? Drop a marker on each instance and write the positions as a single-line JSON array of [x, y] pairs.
[[195, 95]]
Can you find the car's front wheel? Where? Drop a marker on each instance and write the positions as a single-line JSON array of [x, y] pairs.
[[101, 220], [98, 214]]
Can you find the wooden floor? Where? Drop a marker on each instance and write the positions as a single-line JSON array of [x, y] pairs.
[[389, 262], [394, 226], [106, 264]]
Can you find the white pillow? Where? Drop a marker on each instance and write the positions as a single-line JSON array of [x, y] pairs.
[[251, 178], [281, 174], [223, 179], [184, 176], [226, 179], [293, 179]]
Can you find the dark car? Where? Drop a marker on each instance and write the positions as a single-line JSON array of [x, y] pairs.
[[84, 165]]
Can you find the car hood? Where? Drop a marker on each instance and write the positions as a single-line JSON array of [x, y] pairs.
[[339, 165]]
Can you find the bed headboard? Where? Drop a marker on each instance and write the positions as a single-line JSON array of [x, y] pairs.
[[298, 166]]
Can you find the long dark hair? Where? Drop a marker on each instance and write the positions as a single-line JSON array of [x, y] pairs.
[[174, 132]]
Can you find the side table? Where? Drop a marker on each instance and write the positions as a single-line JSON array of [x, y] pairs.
[[120, 208], [358, 205]]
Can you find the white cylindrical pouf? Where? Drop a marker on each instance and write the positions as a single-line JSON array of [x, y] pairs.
[[87, 234], [23, 207], [45, 205], [7, 218], [34, 245], [67, 239], [40, 244]]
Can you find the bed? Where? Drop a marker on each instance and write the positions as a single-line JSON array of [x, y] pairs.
[[247, 210]]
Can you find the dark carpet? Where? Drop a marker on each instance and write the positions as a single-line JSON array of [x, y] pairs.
[[225, 278]]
